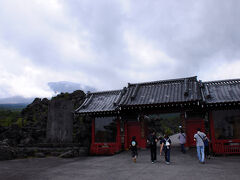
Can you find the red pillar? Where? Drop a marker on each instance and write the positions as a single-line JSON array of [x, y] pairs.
[[184, 127], [213, 140], [93, 130], [125, 136], [92, 150], [143, 133], [118, 140], [211, 127]]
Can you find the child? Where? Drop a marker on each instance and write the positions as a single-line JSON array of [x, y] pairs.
[[133, 147], [165, 146]]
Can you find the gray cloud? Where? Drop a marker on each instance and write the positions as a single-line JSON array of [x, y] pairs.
[[193, 32], [105, 44], [64, 86]]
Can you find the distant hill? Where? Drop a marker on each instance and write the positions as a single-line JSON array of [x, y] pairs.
[[13, 107], [16, 100]]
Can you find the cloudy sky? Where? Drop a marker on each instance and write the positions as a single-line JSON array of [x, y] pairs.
[[107, 43]]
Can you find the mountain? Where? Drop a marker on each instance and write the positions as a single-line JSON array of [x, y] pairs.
[[15, 107], [16, 100], [66, 86]]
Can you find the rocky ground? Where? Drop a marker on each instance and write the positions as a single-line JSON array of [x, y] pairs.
[[120, 166]]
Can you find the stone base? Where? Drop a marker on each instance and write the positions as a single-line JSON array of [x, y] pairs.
[[42, 150]]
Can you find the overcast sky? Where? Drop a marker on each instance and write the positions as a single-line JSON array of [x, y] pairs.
[[107, 43]]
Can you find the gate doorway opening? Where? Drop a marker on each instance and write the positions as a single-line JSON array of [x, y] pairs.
[[164, 123]]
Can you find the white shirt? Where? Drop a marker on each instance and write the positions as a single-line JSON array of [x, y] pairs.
[[199, 140]]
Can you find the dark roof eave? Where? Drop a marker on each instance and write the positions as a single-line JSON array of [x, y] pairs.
[[227, 103], [161, 104], [98, 112]]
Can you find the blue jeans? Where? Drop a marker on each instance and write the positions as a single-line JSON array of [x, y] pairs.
[[183, 148], [200, 153], [167, 155]]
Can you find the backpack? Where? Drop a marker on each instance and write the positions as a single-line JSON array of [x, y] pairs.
[[133, 143]]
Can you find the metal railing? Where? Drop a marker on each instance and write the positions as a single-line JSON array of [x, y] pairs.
[[226, 146]]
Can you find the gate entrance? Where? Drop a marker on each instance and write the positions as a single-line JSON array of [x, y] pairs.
[[137, 129], [191, 127], [164, 123], [133, 130]]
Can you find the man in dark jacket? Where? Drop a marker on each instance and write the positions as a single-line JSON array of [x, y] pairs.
[[152, 141]]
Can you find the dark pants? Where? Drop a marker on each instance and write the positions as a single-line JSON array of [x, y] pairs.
[[206, 149], [183, 148], [167, 155], [153, 153], [134, 152]]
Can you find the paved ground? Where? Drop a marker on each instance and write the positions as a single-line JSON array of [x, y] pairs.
[[120, 166]]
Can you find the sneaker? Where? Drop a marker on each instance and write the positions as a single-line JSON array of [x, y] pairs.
[[152, 162], [167, 163]]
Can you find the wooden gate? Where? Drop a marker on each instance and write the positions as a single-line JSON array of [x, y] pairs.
[[191, 129], [138, 130]]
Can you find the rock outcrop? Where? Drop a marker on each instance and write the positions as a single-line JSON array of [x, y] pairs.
[[60, 121], [45, 121], [6, 152], [34, 121]]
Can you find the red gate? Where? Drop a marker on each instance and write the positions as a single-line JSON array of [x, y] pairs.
[[191, 129], [138, 130]]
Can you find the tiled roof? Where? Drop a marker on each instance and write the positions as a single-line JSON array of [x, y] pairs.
[[224, 91], [159, 92], [174, 91], [100, 102]]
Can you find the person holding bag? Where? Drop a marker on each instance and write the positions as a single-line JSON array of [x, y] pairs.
[[166, 146], [199, 137]]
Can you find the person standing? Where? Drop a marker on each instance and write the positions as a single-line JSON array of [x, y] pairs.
[[166, 147], [199, 137], [133, 148], [182, 140], [152, 141]]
